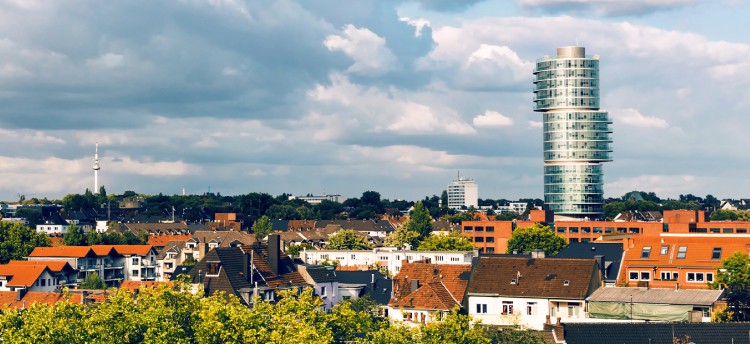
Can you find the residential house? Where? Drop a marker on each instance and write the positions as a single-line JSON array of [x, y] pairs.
[[360, 283], [53, 224], [138, 261], [169, 258], [324, 282], [373, 228], [388, 258], [422, 290], [654, 304], [506, 290], [247, 271], [684, 261], [85, 260], [43, 276]]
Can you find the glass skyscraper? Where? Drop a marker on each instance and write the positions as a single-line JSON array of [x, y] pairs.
[[577, 135]]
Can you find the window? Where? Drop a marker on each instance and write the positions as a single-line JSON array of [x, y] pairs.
[[481, 308], [44, 282], [490, 239], [135, 272], [455, 259], [646, 252], [585, 229], [633, 276], [507, 307], [709, 276], [573, 240], [490, 229], [490, 250], [574, 229], [439, 258], [354, 256], [561, 229], [573, 309], [728, 230], [531, 308], [716, 253], [136, 261], [700, 277], [669, 275], [479, 229], [323, 291], [213, 268], [468, 229], [645, 276], [715, 230], [741, 230], [479, 239], [664, 250], [681, 252]]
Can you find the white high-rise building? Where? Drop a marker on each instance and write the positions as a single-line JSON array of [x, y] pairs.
[[462, 194]]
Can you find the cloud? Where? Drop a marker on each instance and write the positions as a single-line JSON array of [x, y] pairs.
[[492, 119], [605, 7], [663, 185], [107, 61], [369, 51], [633, 117], [448, 5]]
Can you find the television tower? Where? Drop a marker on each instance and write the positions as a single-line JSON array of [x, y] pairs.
[[96, 169]]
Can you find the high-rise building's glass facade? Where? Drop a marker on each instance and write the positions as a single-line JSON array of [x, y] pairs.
[[576, 133]]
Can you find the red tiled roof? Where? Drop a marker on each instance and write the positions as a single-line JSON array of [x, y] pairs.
[[22, 276], [8, 299], [102, 250], [140, 250], [163, 240], [454, 278], [433, 295], [63, 251], [52, 265]]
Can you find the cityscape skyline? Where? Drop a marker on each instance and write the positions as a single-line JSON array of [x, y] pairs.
[[392, 96]]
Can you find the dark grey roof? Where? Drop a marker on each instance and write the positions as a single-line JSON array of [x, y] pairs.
[[180, 269], [321, 274], [612, 253], [279, 225], [230, 279], [172, 246], [656, 333], [381, 293]]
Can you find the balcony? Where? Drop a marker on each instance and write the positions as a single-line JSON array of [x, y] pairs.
[[114, 277], [114, 266], [89, 267]]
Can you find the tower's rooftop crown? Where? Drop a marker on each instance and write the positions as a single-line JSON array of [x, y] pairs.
[[571, 52]]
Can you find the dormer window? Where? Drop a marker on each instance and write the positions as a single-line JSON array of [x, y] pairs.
[[682, 252], [716, 253], [566, 283], [664, 250], [213, 269], [646, 252]]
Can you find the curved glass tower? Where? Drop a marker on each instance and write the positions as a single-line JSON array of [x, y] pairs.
[[576, 133]]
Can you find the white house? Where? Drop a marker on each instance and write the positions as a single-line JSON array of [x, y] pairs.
[[324, 282], [389, 258], [531, 291]]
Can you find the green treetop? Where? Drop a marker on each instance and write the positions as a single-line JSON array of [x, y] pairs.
[[348, 239], [262, 227], [420, 221], [453, 241], [536, 237]]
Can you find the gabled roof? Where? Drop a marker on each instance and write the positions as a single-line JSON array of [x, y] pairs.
[[140, 250], [380, 292], [181, 270], [22, 276], [63, 251], [656, 333], [657, 296], [540, 278], [103, 250], [699, 250], [319, 273], [433, 295], [455, 278], [172, 246], [230, 279], [287, 276], [52, 265], [224, 238]]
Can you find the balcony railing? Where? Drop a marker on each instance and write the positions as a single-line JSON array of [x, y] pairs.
[[90, 267]]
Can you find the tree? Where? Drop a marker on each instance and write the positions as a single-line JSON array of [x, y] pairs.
[[453, 241], [734, 277], [536, 237], [454, 328], [420, 221], [74, 236], [17, 241], [724, 215], [93, 281], [401, 237], [509, 216], [294, 250], [262, 227], [348, 239]]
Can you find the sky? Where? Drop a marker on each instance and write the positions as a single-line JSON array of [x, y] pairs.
[[341, 97]]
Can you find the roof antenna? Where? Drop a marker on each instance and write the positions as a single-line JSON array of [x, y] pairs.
[[577, 42]]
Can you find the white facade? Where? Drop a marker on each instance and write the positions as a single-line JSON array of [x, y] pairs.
[[463, 193], [514, 207], [528, 312], [413, 317], [389, 258], [141, 268], [313, 200], [52, 228]]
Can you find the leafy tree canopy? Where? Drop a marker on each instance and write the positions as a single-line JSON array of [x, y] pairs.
[[17, 241], [401, 237], [536, 237], [93, 281], [420, 221], [453, 241], [348, 239], [734, 276], [262, 227]]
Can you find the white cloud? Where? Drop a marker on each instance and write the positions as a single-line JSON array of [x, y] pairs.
[[128, 165], [369, 51], [633, 117], [229, 71], [107, 61], [27, 136], [419, 24], [536, 124], [492, 119]]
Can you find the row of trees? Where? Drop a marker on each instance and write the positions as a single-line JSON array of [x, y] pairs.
[[171, 314], [76, 237], [17, 241]]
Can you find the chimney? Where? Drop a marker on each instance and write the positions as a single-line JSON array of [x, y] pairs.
[[274, 253], [246, 266], [600, 261], [537, 254], [414, 285]]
